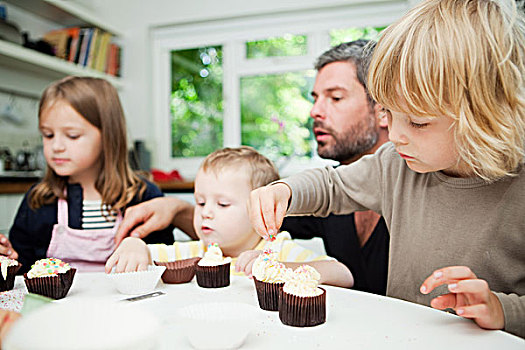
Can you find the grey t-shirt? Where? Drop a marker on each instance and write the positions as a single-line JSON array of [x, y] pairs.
[[434, 221]]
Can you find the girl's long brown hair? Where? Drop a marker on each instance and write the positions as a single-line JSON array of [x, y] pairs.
[[97, 101]]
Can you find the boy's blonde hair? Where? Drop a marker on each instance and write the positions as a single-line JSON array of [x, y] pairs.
[[464, 59], [97, 101], [261, 170]]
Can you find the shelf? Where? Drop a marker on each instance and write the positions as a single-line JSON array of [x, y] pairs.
[[66, 13], [19, 57]]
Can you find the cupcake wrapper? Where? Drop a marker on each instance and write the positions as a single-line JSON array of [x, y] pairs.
[[302, 311], [179, 271], [213, 276], [55, 287], [137, 282], [9, 282], [268, 294]]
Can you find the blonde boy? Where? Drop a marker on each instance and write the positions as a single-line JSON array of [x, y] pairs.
[[222, 188], [451, 184]]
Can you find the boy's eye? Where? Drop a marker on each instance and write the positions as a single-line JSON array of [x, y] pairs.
[[201, 204], [224, 205], [47, 135], [418, 125], [336, 98], [73, 137]]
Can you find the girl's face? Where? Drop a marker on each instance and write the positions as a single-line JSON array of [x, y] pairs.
[[72, 146], [221, 214], [426, 144]]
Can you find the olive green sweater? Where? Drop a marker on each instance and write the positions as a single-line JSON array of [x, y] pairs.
[[434, 221]]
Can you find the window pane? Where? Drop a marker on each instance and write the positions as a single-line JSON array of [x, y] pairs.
[[196, 101], [275, 113], [287, 45], [338, 36]]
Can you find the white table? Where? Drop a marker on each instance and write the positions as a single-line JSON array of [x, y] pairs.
[[355, 319]]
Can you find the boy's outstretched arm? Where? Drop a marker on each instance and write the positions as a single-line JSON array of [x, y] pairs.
[[131, 255], [332, 272], [267, 206], [470, 296]]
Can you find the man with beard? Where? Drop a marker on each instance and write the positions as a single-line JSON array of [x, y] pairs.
[[348, 125]]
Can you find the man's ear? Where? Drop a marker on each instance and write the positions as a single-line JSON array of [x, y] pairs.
[[380, 114]]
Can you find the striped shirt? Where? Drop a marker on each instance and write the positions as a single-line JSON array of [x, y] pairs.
[[288, 250], [95, 216]]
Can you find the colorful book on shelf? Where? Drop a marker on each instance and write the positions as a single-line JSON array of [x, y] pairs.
[[113, 66], [74, 35], [94, 47], [102, 54], [59, 40], [86, 43]]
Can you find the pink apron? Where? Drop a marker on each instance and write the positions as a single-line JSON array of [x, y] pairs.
[[86, 250]]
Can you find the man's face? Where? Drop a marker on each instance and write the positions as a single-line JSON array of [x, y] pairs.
[[345, 125]]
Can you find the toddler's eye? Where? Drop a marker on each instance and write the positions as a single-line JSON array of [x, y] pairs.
[[47, 135], [201, 204], [224, 205], [73, 137]]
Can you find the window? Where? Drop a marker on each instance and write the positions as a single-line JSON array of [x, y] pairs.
[[248, 81]]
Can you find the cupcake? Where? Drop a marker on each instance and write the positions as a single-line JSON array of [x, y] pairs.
[[50, 277], [269, 276], [178, 271], [301, 302], [9, 267], [213, 270]]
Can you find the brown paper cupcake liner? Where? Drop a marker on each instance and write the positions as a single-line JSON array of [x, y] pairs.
[[179, 271], [268, 294], [55, 287], [302, 311], [9, 282], [213, 276]]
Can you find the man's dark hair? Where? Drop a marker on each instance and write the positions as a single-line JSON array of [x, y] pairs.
[[358, 52]]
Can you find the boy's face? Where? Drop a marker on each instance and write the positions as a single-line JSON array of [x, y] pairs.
[[426, 144], [221, 214]]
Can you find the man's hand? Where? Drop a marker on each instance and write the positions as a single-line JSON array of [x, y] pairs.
[[154, 215], [267, 206], [6, 248], [131, 255], [470, 297]]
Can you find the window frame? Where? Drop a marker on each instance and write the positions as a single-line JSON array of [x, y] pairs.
[[232, 34]]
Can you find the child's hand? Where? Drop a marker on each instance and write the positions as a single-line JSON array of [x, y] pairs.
[[267, 207], [131, 255], [6, 248], [245, 261], [470, 297]]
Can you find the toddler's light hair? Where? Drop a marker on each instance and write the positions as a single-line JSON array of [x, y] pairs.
[[261, 170], [464, 59]]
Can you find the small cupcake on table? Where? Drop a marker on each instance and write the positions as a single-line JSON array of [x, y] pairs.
[[302, 303], [50, 277], [213, 270]]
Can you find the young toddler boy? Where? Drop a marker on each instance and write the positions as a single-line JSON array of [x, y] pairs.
[[222, 189]]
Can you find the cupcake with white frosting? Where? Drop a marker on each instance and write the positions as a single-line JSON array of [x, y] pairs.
[[50, 277], [8, 267], [302, 303], [213, 270], [269, 276]]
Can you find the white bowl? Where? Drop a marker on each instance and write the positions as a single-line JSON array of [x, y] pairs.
[[218, 325], [138, 282], [85, 324]]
